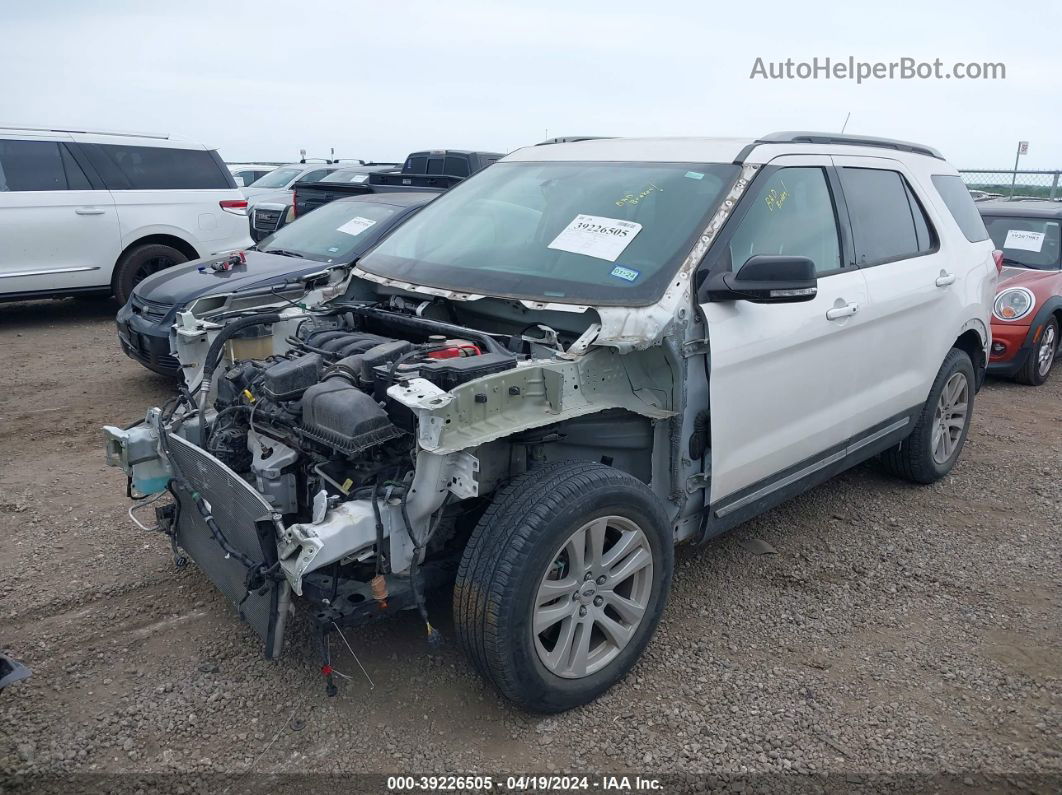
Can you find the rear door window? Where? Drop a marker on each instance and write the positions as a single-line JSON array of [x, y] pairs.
[[165, 168], [888, 222], [961, 205]]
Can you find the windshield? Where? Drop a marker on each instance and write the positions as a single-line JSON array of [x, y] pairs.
[[602, 233], [346, 175], [1029, 242], [335, 233], [276, 179]]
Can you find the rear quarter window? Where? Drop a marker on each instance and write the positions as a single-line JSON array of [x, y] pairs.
[[961, 206], [164, 168]]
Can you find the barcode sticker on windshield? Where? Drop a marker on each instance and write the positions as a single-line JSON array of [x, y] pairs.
[[596, 236], [356, 225], [1026, 241]]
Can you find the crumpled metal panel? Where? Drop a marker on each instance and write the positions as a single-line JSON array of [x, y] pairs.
[[622, 328], [529, 396]]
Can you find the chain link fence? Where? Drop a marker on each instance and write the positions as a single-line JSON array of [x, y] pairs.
[[1016, 184]]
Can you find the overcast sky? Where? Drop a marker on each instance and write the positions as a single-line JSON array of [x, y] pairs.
[[261, 80]]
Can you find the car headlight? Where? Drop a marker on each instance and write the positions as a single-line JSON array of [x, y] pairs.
[[1013, 304]]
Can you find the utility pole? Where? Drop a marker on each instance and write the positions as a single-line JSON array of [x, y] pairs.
[[1023, 149]]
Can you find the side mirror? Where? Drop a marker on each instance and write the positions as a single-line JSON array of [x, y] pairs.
[[765, 280]]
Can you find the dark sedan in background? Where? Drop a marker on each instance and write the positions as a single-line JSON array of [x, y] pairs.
[[335, 234]]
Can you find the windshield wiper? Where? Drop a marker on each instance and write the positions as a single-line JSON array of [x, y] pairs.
[[283, 252]]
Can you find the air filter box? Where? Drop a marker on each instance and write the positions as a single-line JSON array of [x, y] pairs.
[[289, 378]]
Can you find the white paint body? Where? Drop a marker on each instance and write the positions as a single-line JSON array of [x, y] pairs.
[[788, 384]]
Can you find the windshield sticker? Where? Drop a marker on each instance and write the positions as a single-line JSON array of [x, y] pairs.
[[627, 274], [356, 225], [634, 198], [360, 178], [694, 175], [596, 236], [1023, 240]]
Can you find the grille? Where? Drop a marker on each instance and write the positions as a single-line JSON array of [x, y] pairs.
[[153, 310], [237, 508], [266, 220]]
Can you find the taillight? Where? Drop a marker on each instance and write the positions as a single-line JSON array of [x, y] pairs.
[[997, 255], [234, 206], [294, 204]]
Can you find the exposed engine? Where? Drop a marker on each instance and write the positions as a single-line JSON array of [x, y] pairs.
[[318, 418], [310, 452]]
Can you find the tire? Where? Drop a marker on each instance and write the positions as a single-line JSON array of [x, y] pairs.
[[1038, 364], [139, 262], [523, 546], [918, 458]]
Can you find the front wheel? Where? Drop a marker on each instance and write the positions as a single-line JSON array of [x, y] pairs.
[[563, 582], [933, 447], [1039, 362]]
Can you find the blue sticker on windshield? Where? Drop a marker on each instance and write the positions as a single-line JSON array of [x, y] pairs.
[[694, 175], [627, 274]]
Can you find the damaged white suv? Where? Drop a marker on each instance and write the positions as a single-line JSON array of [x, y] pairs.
[[558, 370]]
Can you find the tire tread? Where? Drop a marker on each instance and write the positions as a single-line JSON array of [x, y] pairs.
[[505, 535]]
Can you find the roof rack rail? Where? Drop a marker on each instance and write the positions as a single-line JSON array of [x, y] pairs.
[[790, 137], [85, 132]]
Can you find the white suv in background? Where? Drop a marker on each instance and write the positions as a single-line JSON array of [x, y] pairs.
[[247, 173], [84, 212]]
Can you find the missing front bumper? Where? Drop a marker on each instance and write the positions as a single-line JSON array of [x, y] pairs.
[[247, 521]]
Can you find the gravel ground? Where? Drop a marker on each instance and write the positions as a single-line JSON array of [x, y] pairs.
[[868, 627]]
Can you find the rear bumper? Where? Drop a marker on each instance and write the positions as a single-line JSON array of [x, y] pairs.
[[146, 341]]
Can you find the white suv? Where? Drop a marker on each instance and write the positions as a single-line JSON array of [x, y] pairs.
[[578, 357], [84, 212]]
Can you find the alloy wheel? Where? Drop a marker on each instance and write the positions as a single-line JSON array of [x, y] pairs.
[[952, 408], [592, 597], [1045, 354], [151, 266]]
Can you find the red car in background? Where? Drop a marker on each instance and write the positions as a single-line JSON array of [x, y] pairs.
[[1027, 314]]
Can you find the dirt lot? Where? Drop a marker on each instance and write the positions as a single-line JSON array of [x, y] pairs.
[[897, 629]]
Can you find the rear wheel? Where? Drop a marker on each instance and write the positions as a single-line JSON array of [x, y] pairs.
[[933, 447], [139, 263], [563, 583], [1040, 361]]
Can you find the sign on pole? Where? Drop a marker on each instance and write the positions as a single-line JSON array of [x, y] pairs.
[[1023, 147]]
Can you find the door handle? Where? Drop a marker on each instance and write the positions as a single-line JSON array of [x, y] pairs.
[[945, 279], [839, 312], [89, 211]]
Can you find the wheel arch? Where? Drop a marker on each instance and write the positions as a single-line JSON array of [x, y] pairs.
[[173, 241], [973, 343]]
